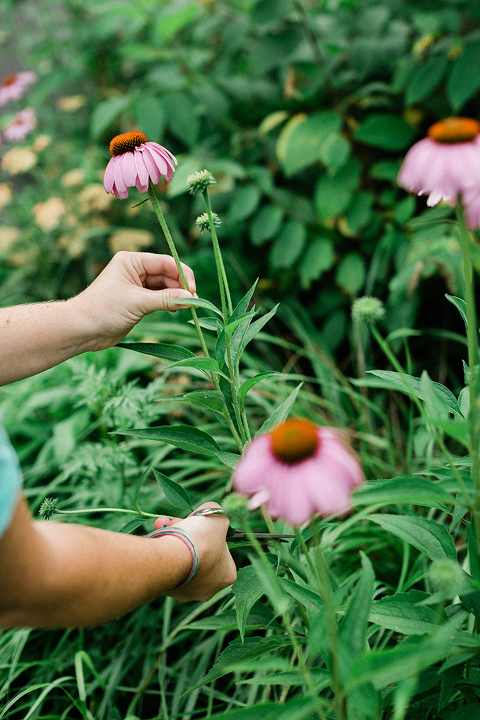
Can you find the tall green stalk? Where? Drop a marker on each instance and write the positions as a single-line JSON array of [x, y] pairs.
[[472, 332]]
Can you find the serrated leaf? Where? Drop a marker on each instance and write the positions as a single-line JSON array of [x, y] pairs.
[[247, 589], [161, 350], [185, 437], [426, 535], [281, 412], [175, 494]]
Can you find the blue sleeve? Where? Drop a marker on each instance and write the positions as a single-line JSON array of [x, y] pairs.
[[10, 481]]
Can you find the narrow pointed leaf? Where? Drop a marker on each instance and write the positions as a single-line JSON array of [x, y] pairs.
[[212, 399], [207, 364], [197, 302], [426, 535], [176, 495], [160, 350], [281, 412], [248, 384], [185, 437]]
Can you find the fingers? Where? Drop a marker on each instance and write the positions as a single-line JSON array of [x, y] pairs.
[[164, 266], [163, 520]]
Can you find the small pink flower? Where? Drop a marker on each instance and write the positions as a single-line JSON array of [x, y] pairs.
[[22, 124], [298, 469], [12, 87], [135, 162], [446, 163]]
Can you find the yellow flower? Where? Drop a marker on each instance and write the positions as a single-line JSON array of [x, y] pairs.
[[73, 178], [18, 160], [5, 194], [41, 142], [8, 236], [71, 103], [93, 198], [48, 214], [129, 240]]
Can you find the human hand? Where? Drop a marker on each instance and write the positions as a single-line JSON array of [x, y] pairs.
[[132, 285], [216, 568]]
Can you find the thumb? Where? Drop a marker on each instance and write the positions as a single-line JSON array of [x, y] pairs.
[[160, 299]]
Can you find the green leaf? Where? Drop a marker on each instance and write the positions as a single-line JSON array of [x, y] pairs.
[[176, 495], [206, 364], [403, 613], [173, 22], [267, 10], [211, 399], [151, 116], [426, 78], [411, 385], [288, 245], [160, 350], [185, 437], [265, 224], [385, 131], [426, 535], [359, 211], [300, 708], [350, 274], [229, 459], [281, 412], [197, 302], [464, 79], [353, 629], [461, 306], [105, 114], [401, 490], [318, 258], [385, 170], [243, 335], [244, 203], [333, 193], [248, 384], [183, 120], [238, 651], [305, 140], [247, 589], [303, 595]]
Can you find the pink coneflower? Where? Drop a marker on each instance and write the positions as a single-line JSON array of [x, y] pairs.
[[446, 163], [298, 469], [13, 86], [22, 124], [135, 162]]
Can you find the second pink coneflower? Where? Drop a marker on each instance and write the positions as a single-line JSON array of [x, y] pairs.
[[12, 87], [22, 124], [135, 162], [298, 469]]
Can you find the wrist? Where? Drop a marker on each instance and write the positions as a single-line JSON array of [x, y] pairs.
[[173, 532]]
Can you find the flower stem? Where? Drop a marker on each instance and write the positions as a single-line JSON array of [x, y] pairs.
[[222, 275], [173, 250], [472, 351]]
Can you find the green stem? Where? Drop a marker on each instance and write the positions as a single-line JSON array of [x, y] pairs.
[[472, 351], [222, 275], [86, 511], [213, 376], [320, 575], [173, 250]]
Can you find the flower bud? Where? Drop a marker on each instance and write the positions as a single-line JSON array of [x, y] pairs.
[[367, 309], [203, 221], [48, 508], [200, 181]]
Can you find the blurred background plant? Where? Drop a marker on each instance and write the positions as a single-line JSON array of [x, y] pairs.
[[303, 111]]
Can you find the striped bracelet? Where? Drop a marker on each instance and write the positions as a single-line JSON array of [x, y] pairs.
[[187, 539]]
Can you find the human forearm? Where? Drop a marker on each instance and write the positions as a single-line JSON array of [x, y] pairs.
[[57, 575], [35, 337]]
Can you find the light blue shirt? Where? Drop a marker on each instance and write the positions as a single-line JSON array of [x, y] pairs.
[[10, 481]]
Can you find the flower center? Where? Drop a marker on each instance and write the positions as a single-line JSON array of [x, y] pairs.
[[127, 142], [454, 130], [294, 440], [9, 80]]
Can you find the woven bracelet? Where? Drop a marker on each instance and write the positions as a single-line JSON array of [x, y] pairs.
[[187, 539]]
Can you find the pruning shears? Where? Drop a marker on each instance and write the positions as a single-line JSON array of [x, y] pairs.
[[236, 535]]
